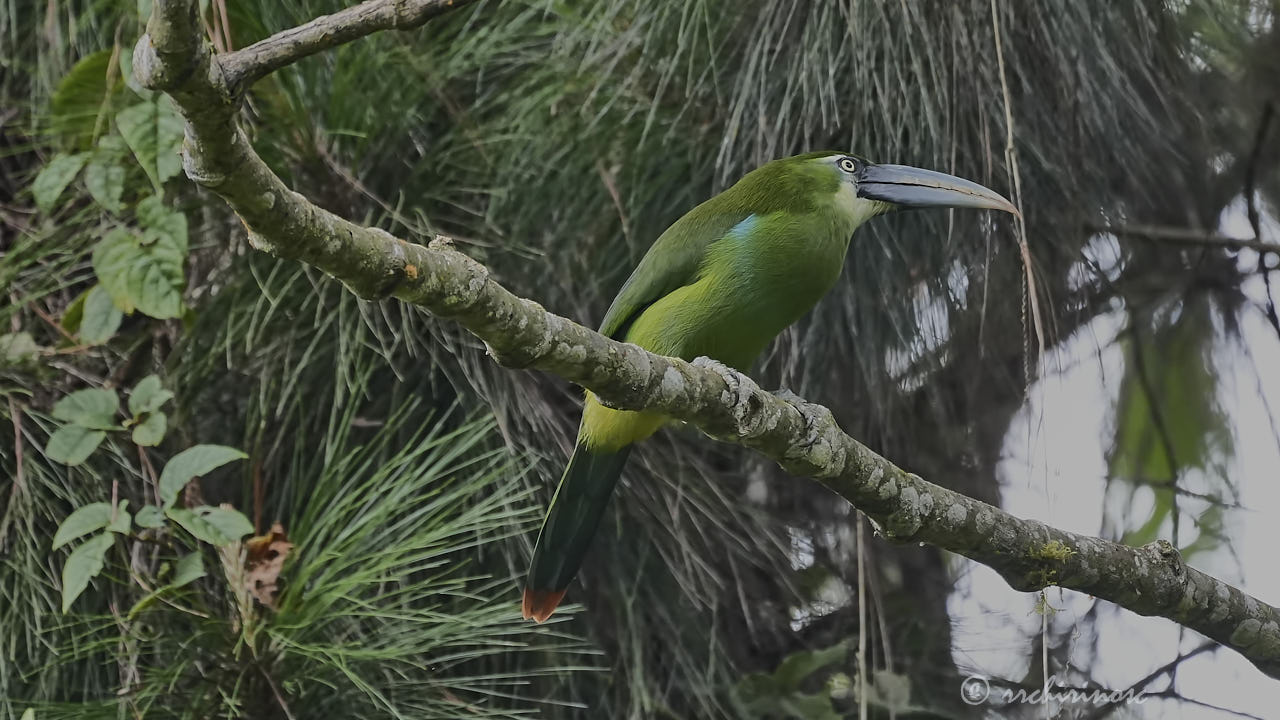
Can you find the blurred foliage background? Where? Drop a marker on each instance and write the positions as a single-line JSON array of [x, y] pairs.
[[554, 141]]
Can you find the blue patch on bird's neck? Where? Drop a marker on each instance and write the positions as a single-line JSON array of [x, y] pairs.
[[743, 229]]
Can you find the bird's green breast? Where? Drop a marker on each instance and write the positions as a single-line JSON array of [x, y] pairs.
[[761, 276]]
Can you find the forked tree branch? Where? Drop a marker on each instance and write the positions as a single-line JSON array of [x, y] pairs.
[[801, 437]]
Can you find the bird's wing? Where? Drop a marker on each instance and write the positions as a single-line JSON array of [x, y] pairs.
[[671, 263]]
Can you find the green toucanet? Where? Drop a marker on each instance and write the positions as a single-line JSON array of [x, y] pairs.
[[723, 281]]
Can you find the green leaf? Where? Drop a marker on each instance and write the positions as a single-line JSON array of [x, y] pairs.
[[104, 178], [82, 521], [54, 178], [126, 69], [17, 349], [82, 95], [190, 463], [72, 444], [189, 569], [123, 522], [160, 219], [153, 130], [150, 431], [74, 314], [217, 526], [100, 318], [29, 714], [84, 563], [148, 395], [149, 516], [146, 277], [93, 408]]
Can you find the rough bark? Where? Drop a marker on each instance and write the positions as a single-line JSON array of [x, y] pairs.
[[800, 436]]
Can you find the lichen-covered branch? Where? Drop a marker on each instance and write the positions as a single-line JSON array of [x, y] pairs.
[[802, 437]]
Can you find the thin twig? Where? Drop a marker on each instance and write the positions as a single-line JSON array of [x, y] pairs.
[[1151, 677], [1251, 202], [1011, 162], [276, 691], [1184, 236]]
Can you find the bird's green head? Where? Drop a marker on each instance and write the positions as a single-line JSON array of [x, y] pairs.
[[864, 189]]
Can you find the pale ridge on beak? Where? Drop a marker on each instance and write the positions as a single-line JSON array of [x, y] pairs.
[[912, 187]]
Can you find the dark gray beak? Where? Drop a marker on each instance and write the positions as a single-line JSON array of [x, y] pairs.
[[911, 187]]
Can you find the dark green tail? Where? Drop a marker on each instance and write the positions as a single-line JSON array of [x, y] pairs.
[[571, 522]]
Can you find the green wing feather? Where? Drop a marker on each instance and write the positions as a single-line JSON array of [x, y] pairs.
[[672, 262]]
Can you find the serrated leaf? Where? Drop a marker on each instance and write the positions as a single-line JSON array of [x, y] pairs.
[[99, 318], [148, 395], [82, 521], [54, 178], [17, 349], [91, 408], [216, 526], [190, 463], [123, 522], [84, 563], [104, 179], [157, 217], [153, 130], [150, 431], [147, 277], [149, 516], [189, 569], [72, 444], [82, 95]]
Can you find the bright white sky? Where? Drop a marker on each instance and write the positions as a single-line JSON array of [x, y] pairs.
[[1054, 470]]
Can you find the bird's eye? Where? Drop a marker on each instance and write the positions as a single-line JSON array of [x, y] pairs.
[[848, 165]]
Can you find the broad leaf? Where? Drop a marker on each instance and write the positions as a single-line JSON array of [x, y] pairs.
[[153, 130], [99, 318], [83, 95], [146, 277], [84, 563], [158, 218], [190, 463], [54, 178], [148, 395], [150, 431], [82, 521], [17, 349], [72, 444], [104, 178], [149, 516], [91, 408], [123, 522], [217, 526], [189, 569]]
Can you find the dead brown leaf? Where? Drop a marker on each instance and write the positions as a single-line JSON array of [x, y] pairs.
[[264, 557]]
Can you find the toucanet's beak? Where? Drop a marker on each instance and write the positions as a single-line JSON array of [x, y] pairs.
[[910, 187]]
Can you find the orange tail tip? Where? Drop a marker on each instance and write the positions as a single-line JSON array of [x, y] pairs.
[[539, 604]]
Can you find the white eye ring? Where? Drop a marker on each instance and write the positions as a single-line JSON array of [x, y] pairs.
[[848, 165]]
